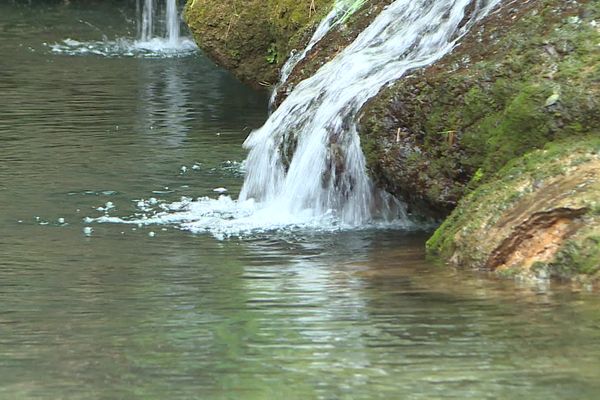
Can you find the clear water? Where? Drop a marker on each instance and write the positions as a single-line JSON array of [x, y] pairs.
[[122, 314]]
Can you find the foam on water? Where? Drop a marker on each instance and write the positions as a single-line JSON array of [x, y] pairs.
[[156, 47], [225, 217], [148, 44]]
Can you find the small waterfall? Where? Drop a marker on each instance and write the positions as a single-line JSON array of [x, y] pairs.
[[147, 20], [172, 22], [158, 27], [316, 122], [305, 168], [158, 35]]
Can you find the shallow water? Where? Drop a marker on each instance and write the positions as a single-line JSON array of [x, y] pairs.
[[121, 314]]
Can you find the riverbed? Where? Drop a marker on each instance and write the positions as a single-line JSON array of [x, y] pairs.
[[151, 311]]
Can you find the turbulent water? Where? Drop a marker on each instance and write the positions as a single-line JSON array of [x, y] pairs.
[[341, 9], [327, 172], [324, 184], [158, 36]]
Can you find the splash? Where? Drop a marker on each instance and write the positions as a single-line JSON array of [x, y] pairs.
[[157, 37], [305, 167]]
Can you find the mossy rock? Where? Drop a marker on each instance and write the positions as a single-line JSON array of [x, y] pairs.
[[526, 75], [538, 216], [252, 38]]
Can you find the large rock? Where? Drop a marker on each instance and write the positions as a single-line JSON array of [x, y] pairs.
[[527, 75], [253, 38], [538, 217]]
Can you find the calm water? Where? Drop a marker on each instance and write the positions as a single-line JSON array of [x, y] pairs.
[[124, 315]]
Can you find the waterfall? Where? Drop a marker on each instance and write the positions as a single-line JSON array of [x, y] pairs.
[[317, 121], [172, 22], [158, 35], [341, 9], [148, 19]]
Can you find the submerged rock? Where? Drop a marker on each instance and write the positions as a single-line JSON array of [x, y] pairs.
[[538, 217]]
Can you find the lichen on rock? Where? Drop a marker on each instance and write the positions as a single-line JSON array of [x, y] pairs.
[[539, 217]]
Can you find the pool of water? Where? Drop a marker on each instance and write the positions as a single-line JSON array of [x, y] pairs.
[[154, 312]]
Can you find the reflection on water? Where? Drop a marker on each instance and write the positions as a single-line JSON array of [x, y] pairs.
[[121, 314]]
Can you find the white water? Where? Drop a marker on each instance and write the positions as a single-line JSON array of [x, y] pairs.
[[167, 43], [325, 184], [339, 10]]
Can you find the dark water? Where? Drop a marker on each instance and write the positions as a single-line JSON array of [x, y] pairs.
[[123, 315]]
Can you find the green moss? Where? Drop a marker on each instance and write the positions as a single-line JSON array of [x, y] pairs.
[[578, 256], [531, 81], [252, 38], [467, 229]]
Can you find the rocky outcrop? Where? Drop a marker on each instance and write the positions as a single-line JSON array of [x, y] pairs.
[[252, 38], [538, 217]]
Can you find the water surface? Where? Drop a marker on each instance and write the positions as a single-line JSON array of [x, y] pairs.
[[122, 314]]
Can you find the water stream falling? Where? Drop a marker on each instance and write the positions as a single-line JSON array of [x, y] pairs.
[[340, 9], [305, 166]]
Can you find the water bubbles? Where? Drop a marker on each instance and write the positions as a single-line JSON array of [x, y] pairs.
[[151, 234], [108, 206], [183, 169], [61, 220], [196, 167]]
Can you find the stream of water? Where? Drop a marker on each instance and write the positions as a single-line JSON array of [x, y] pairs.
[[154, 312]]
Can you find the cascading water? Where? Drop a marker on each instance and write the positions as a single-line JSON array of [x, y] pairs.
[[341, 8], [172, 22], [148, 16], [305, 166], [158, 31], [146, 31], [327, 170]]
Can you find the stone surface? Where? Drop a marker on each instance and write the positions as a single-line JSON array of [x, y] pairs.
[[252, 38], [538, 217]]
